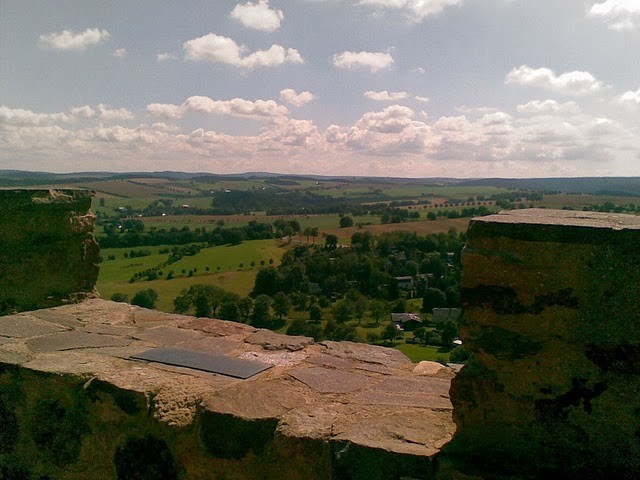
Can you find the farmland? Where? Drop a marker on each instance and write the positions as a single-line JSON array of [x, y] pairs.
[[178, 232]]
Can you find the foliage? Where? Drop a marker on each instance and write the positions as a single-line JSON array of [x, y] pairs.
[[433, 298], [119, 297], [281, 305], [346, 222], [145, 298]]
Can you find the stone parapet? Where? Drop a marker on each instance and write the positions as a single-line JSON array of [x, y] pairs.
[[48, 252], [74, 404], [552, 317]]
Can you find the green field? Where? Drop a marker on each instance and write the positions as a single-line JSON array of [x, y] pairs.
[[418, 353], [223, 262]]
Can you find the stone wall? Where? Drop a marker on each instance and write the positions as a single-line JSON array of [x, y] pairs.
[[48, 253], [552, 316]]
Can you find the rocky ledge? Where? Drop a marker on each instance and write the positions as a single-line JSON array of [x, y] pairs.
[[322, 410]]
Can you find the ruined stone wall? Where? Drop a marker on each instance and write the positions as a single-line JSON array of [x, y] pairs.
[[48, 252], [552, 316]]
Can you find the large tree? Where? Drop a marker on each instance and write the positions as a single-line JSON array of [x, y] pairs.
[[281, 305]]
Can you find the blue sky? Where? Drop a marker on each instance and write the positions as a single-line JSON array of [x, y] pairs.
[[410, 88]]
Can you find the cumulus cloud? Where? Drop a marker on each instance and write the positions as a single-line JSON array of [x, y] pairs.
[[385, 96], [218, 49], [422, 99], [237, 107], [548, 106], [119, 53], [83, 112], [296, 99], [112, 114], [569, 83], [67, 40], [414, 10], [19, 116], [258, 16], [618, 14], [630, 98], [374, 61], [165, 57]]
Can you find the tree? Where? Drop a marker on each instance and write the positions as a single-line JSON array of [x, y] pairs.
[[346, 222], [145, 298], [204, 298], [423, 335], [377, 308], [342, 311], [245, 306], [261, 316], [448, 331], [360, 307], [119, 297], [298, 327], [390, 332], [433, 298], [432, 263], [281, 305], [315, 313], [267, 282], [431, 216], [459, 355], [331, 241], [229, 311]]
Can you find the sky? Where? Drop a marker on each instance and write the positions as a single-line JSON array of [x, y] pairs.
[[397, 88]]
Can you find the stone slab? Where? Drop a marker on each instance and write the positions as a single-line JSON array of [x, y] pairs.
[[331, 381], [409, 399], [24, 326], [53, 316], [221, 364], [276, 341], [74, 340]]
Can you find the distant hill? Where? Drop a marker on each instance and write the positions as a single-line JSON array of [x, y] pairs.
[[593, 185], [627, 186]]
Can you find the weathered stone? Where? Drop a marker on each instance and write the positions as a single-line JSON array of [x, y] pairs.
[[387, 357], [74, 341], [293, 420], [273, 341], [45, 235], [428, 368], [331, 381], [23, 326], [552, 317]]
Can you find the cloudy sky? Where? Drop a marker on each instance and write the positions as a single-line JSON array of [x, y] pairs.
[[406, 88]]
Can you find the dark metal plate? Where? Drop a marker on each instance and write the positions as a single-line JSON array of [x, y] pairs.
[[207, 362]]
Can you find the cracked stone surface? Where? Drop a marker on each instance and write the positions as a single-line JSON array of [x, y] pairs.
[[370, 396]]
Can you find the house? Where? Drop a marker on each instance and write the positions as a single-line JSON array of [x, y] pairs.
[[406, 321], [405, 283], [440, 315]]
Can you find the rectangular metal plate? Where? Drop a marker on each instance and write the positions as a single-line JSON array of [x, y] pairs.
[[207, 362]]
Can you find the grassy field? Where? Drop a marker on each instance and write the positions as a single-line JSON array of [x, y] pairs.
[[418, 353], [223, 262]]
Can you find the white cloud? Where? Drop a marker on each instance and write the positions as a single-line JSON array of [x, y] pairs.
[[237, 107], [618, 14], [67, 40], [630, 98], [548, 106], [112, 114], [165, 57], [569, 83], [258, 16], [218, 49], [119, 53], [19, 116], [385, 96], [420, 70], [414, 10], [374, 61], [83, 112], [296, 99], [422, 99]]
